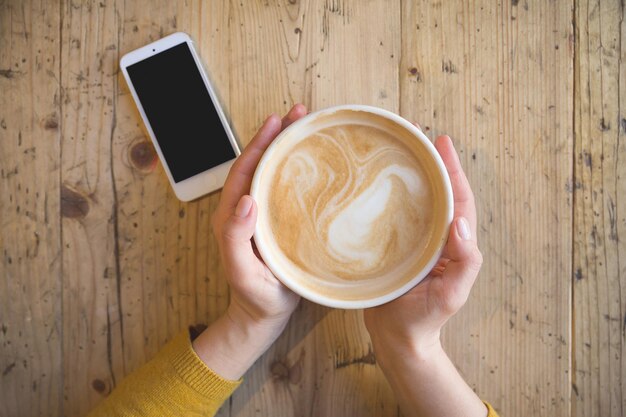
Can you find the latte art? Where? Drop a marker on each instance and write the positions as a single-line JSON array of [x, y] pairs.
[[351, 202], [354, 206]]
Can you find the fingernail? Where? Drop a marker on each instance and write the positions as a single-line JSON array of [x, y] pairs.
[[243, 207], [463, 229]]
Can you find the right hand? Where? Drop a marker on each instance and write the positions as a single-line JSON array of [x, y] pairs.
[[414, 320], [260, 305], [256, 294]]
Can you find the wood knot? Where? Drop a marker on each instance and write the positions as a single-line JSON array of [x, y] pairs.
[[8, 369], [7, 73], [414, 72], [73, 204], [604, 125], [292, 374], [578, 274], [448, 67], [279, 370], [99, 385], [51, 122], [143, 155]]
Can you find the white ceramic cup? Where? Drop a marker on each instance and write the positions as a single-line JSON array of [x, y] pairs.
[[270, 251]]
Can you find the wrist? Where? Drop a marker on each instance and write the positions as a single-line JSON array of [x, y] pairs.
[[259, 331], [251, 325], [231, 344], [391, 350], [446, 393]]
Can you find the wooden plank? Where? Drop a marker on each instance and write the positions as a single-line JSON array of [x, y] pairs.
[[313, 52], [92, 325], [600, 215], [140, 245], [498, 80], [169, 263], [30, 233]]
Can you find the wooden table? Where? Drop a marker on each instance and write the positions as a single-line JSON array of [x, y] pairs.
[[100, 264]]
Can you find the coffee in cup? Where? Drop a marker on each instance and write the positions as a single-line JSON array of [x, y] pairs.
[[354, 206]]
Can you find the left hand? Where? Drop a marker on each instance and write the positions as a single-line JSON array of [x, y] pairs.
[[256, 294], [415, 319]]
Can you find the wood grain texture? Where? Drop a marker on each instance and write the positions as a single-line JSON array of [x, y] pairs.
[[30, 230], [100, 264], [169, 264], [600, 216], [92, 313], [499, 81]]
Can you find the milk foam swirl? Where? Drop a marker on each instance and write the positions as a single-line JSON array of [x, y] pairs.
[[350, 202]]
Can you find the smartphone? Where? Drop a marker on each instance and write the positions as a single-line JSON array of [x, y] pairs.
[[182, 114]]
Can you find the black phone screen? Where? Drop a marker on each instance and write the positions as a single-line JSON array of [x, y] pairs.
[[180, 111]]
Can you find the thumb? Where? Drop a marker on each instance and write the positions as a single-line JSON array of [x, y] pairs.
[[236, 234], [465, 262]]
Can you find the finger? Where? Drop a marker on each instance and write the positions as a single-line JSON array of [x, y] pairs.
[[417, 125], [236, 233], [240, 176], [440, 266], [296, 112], [465, 262], [464, 204], [437, 271]]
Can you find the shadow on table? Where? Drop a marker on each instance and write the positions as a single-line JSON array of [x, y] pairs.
[[284, 365]]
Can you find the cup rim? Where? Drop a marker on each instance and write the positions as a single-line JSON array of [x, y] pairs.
[[383, 298]]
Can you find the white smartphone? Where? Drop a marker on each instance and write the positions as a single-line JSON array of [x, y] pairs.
[[182, 114]]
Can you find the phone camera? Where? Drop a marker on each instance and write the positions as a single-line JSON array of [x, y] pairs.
[[153, 50]]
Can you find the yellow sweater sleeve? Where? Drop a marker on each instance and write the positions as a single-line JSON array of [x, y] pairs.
[[492, 412], [175, 382]]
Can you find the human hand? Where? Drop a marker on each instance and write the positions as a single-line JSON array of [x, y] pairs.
[[414, 320], [260, 305], [255, 293]]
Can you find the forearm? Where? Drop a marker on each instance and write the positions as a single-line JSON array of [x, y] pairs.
[[175, 382], [426, 383]]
